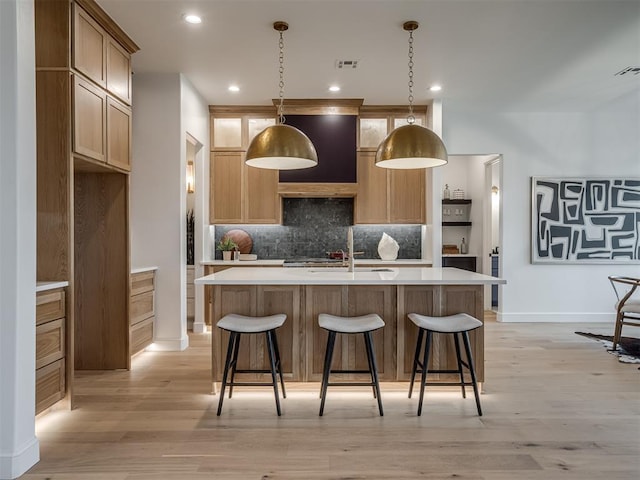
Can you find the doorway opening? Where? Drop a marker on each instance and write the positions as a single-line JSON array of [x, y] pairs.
[[492, 239]]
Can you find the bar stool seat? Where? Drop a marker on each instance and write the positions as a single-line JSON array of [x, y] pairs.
[[364, 324], [237, 325], [457, 325]]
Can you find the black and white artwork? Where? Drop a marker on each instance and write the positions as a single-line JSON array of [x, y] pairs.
[[585, 220]]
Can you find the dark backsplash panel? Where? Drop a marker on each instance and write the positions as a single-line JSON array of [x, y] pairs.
[[314, 226]]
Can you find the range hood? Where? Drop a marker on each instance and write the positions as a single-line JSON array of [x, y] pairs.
[[318, 190]]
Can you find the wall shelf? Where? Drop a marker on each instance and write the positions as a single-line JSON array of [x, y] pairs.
[[461, 201], [456, 224]]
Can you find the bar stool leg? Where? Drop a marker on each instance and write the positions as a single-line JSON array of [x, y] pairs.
[[232, 337], [274, 375], [234, 363], [458, 358], [278, 363], [472, 370], [374, 370], [425, 368], [328, 358], [416, 359], [371, 367]]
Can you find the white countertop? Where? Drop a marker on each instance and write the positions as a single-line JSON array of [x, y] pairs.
[[279, 263], [244, 263], [458, 255], [339, 276], [143, 269], [44, 286]]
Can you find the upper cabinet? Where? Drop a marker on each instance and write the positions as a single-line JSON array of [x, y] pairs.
[[89, 44], [387, 195], [99, 56], [239, 193]]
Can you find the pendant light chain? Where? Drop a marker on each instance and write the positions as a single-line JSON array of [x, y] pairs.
[[411, 118], [281, 84]]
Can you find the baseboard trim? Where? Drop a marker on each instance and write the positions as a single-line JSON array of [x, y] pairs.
[[199, 327], [556, 317], [12, 466], [169, 345]]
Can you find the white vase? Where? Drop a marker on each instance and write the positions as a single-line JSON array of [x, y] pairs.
[[226, 254], [388, 248]]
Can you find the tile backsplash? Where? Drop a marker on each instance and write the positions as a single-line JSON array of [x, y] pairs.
[[314, 226]]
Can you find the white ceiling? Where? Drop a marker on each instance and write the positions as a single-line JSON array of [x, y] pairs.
[[534, 55]]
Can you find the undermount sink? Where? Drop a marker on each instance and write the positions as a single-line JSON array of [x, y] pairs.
[[345, 269]]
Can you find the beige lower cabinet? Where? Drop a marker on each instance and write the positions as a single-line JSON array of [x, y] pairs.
[[303, 343], [350, 352], [260, 301], [142, 311], [50, 348]]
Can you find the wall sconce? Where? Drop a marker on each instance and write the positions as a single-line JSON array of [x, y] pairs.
[[495, 190], [190, 178]]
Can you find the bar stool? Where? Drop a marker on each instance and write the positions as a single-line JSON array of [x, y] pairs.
[[364, 324], [457, 325], [236, 325]]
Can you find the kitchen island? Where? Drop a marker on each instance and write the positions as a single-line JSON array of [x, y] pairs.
[[303, 293]]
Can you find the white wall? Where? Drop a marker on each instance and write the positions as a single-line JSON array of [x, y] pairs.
[[158, 200], [599, 143], [165, 109], [195, 122], [19, 448]]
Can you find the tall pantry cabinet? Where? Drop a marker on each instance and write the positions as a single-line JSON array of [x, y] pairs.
[[83, 110]]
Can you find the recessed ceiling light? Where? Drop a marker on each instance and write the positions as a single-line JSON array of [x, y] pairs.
[[194, 19], [435, 88], [334, 88], [234, 88]]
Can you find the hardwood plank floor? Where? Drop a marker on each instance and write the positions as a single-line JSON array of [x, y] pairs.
[[556, 405]]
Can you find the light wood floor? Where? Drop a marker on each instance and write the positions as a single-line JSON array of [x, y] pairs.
[[556, 406]]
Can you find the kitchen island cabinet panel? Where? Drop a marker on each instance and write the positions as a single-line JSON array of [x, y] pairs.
[[259, 301], [412, 299], [391, 293], [382, 301], [331, 299]]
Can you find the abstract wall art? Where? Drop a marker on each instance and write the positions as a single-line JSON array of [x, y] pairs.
[[585, 220]]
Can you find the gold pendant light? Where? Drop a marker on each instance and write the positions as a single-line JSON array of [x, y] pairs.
[[411, 146], [280, 146]]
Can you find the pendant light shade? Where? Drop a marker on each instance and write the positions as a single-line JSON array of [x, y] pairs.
[[411, 146], [280, 146]]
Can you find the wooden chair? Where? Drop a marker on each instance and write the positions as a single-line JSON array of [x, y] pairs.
[[628, 305]]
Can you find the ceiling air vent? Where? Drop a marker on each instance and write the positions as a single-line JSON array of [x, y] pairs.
[[628, 70], [346, 63]]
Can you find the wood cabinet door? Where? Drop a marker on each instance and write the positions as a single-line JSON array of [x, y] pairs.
[[262, 201], [372, 200], [226, 187], [379, 299], [271, 300], [422, 299], [407, 201], [331, 299], [438, 301], [89, 119], [118, 71], [89, 46], [118, 134]]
